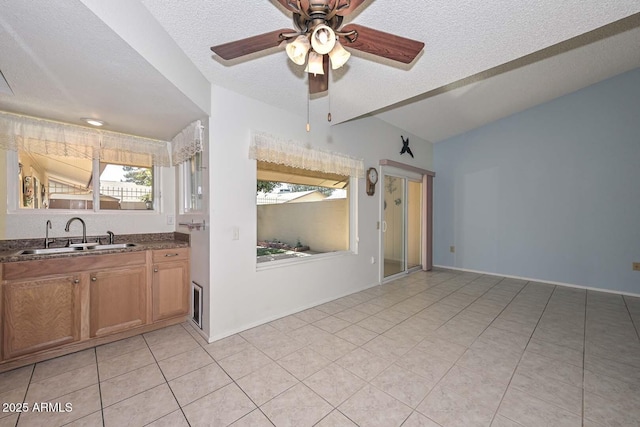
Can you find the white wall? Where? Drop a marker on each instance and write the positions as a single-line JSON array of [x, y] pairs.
[[199, 238], [241, 296], [551, 193]]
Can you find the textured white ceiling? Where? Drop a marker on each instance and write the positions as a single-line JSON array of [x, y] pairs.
[[63, 62], [521, 84], [462, 38]]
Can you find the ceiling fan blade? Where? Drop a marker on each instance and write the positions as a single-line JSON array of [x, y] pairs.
[[320, 82], [353, 6], [383, 44], [250, 45], [285, 4]]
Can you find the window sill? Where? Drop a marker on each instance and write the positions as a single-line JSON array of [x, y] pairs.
[[89, 212], [269, 265]]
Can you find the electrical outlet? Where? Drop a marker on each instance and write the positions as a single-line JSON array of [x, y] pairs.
[[170, 220], [236, 233], [636, 266], [452, 249]]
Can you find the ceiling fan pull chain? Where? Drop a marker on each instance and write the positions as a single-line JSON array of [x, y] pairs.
[[308, 102], [329, 115]]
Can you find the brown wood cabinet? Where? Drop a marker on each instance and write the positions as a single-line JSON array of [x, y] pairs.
[[40, 314], [52, 307], [118, 300], [170, 283]]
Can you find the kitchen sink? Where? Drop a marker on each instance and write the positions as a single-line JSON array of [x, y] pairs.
[[83, 247], [111, 246], [48, 251]]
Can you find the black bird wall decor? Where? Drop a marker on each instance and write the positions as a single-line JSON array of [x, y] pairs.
[[405, 146]]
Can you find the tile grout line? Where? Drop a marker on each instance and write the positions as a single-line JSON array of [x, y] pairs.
[[332, 362], [584, 351], [233, 381], [24, 398], [449, 370], [95, 355], [165, 381], [523, 352], [418, 343], [631, 317]]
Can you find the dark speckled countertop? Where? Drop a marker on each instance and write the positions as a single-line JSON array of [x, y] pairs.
[[9, 249]]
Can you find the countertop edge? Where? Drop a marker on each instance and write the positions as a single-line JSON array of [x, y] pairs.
[[12, 255]]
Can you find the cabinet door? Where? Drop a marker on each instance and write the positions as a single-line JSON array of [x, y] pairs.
[[40, 314], [118, 300], [170, 289]]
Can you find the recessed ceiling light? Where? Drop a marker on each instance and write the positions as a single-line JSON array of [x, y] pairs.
[[94, 122]]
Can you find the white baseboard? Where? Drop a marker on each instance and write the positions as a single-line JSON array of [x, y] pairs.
[[531, 279], [200, 332], [279, 316]]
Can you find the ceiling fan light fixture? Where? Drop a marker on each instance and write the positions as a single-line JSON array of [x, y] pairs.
[[339, 56], [298, 48], [315, 65], [323, 39]]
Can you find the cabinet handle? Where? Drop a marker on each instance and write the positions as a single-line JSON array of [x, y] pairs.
[[170, 255], [76, 281], [155, 270], [93, 279]]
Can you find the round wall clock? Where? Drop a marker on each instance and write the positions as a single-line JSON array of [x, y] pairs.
[[372, 179]]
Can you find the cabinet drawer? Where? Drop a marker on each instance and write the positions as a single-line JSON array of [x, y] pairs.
[[162, 255], [47, 267]]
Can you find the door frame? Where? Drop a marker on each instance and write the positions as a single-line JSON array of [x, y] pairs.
[[427, 213]]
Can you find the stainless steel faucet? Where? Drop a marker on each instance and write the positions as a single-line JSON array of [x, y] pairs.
[[111, 237], [47, 241], [84, 228]]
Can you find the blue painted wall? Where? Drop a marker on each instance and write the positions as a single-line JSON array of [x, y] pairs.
[[551, 193]]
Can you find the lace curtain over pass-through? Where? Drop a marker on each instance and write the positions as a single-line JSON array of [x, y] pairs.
[[187, 143], [53, 138], [268, 148]]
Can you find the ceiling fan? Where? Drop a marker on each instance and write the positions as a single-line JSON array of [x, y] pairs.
[[316, 40]]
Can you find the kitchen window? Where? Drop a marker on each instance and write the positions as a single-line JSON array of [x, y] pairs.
[[67, 167], [67, 183], [187, 153], [192, 184]]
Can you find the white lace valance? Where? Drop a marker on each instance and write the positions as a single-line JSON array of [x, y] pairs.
[[134, 150], [187, 143], [269, 148], [48, 137]]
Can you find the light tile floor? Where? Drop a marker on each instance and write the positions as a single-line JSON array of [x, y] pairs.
[[431, 349]]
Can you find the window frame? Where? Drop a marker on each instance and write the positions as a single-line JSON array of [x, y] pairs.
[[353, 235], [184, 187], [14, 209]]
